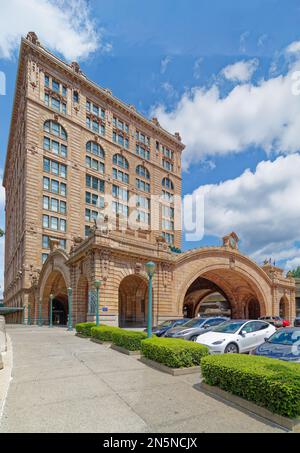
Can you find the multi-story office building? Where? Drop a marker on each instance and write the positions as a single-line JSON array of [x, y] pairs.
[[91, 195]]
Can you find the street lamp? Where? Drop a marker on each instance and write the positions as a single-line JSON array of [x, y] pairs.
[[51, 311], [97, 286], [70, 321], [40, 313], [150, 269]]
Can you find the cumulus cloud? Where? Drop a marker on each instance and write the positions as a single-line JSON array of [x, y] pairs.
[[293, 48], [265, 115], [242, 71], [65, 26], [262, 207]]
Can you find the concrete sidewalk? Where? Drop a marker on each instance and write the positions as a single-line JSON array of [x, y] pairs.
[[62, 383]]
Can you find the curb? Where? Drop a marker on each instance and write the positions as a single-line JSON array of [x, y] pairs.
[[95, 340], [285, 422], [125, 351], [172, 371]]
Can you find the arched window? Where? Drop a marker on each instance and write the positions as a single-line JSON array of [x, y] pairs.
[[96, 149], [56, 129], [120, 161], [167, 184], [142, 172]]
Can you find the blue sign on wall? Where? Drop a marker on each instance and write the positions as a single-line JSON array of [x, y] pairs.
[[104, 308]]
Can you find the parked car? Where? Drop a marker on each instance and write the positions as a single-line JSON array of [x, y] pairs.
[[193, 328], [283, 345], [236, 336], [166, 325], [276, 321], [297, 322]]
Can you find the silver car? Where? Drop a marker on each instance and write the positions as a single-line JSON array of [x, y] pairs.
[[193, 328]]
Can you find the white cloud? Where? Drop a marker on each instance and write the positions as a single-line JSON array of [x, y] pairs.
[[262, 40], [293, 48], [65, 26], [243, 39], [197, 68], [242, 71], [264, 115], [164, 64], [262, 207]]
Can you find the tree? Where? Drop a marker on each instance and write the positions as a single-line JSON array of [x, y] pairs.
[[296, 272], [1, 233]]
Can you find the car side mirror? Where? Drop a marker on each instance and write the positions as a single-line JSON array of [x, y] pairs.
[[243, 333], [266, 339]]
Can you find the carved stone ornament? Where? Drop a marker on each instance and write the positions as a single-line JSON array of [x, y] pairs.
[[231, 241], [138, 268], [32, 37]]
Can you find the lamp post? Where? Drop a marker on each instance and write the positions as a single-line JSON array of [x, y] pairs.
[[70, 321], [51, 311], [150, 269], [40, 322], [97, 286]]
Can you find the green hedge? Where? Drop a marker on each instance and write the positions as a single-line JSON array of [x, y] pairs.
[[270, 383], [85, 328], [174, 353], [104, 333], [130, 340]]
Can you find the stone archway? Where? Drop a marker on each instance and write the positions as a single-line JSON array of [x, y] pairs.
[[245, 287], [133, 301], [284, 308]]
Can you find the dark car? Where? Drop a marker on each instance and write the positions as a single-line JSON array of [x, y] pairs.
[[193, 328], [297, 322], [162, 328], [276, 321], [283, 344]]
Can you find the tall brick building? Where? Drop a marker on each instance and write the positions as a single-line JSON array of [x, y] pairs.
[[91, 190]]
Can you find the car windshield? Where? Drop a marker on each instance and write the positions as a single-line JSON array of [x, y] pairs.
[[229, 327], [194, 323], [285, 337], [166, 324]]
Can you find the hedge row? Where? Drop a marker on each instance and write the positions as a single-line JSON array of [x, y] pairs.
[[173, 353], [128, 339], [104, 333], [267, 382], [85, 328]]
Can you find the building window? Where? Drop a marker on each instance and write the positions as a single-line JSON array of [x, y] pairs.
[[51, 166], [87, 231], [95, 126], [142, 152], [44, 257], [168, 165], [90, 215], [167, 152], [94, 200], [95, 110], [55, 128], [95, 183], [95, 164], [55, 104], [120, 193], [143, 217], [142, 185], [76, 97], [167, 184], [168, 237], [55, 147], [121, 140], [120, 176], [96, 149], [142, 202], [142, 138], [53, 186], [46, 242], [120, 125], [120, 161], [142, 172], [120, 208]]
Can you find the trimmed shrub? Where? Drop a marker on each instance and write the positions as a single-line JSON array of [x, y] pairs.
[[130, 340], [270, 383], [174, 353], [104, 333], [84, 328]]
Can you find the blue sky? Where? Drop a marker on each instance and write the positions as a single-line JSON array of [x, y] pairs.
[[169, 57]]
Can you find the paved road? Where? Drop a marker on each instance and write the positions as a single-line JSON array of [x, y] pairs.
[[62, 383]]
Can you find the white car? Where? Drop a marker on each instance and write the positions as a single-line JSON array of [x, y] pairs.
[[233, 337]]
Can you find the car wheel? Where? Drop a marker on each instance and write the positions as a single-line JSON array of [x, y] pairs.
[[194, 338], [231, 348]]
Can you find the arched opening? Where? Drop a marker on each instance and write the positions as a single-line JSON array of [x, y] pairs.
[[223, 292], [204, 298], [56, 286], [82, 303], [284, 308], [133, 300]]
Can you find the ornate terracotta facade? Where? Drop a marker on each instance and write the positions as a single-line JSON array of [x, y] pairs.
[[114, 256]]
